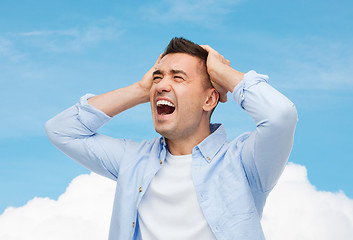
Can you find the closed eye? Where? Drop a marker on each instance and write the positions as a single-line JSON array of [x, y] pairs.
[[179, 78], [157, 79]]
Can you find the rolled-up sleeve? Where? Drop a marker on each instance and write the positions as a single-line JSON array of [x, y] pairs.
[[267, 149], [74, 132]]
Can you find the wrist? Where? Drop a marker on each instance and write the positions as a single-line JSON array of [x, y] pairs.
[[235, 77], [141, 91], [229, 77]]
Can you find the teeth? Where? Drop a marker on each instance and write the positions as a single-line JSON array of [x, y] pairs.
[[164, 102]]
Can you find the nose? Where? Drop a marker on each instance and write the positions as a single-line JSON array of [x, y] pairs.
[[164, 85]]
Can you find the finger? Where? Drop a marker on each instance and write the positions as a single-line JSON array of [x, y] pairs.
[[223, 60], [207, 48], [158, 60]]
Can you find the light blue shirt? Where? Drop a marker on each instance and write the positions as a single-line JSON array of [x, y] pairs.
[[232, 179]]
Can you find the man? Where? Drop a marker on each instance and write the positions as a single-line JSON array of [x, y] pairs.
[[191, 183]]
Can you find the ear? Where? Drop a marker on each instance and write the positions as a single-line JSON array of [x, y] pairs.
[[211, 100]]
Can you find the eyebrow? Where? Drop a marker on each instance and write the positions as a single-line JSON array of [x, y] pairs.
[[173, 71], [157, 72]]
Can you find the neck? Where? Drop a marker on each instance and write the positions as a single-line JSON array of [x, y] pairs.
[[184, 145]]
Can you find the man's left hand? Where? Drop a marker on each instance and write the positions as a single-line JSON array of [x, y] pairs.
[[223, 77]]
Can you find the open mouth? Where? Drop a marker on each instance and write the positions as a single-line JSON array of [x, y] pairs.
[[165, 107]]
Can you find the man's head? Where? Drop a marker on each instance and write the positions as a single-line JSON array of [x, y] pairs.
[[182, 97], [181, 45]]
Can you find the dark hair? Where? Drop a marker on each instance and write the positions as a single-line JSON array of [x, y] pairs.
[[182, 45]]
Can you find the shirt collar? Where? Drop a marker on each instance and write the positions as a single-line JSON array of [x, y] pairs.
[[210, 145]]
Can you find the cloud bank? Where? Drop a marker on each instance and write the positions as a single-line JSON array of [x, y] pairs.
[[82, 212], [295, 210]]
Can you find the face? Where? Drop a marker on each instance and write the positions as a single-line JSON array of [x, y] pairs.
[[178, 95]]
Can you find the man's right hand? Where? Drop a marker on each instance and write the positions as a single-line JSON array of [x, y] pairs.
[[114, 102], [146, 82]]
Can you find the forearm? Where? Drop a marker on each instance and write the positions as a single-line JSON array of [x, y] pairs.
[[230, 77], [74, 132], [117, 101]]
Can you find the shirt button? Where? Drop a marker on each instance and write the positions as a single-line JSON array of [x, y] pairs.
[[160, 161], [133, 224], [162, 140], [140, 189], [208, 158]]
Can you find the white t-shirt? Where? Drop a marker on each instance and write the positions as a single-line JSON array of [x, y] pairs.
[[169, 208]]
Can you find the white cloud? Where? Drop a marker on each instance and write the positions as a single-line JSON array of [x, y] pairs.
[[69, 32], [8, 51], [5, 47], [72, 39], [82, 212], [200, 12], [319, 64], [295, 210], [303, 63]]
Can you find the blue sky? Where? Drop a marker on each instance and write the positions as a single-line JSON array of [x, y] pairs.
[[52, 53]]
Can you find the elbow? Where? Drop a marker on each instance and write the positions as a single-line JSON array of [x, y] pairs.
[[55, 134], [286, 116], [49, 129], [292, 114], [47, 126]]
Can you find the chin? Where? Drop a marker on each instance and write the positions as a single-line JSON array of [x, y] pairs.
[[162, 131], [165, 131]]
